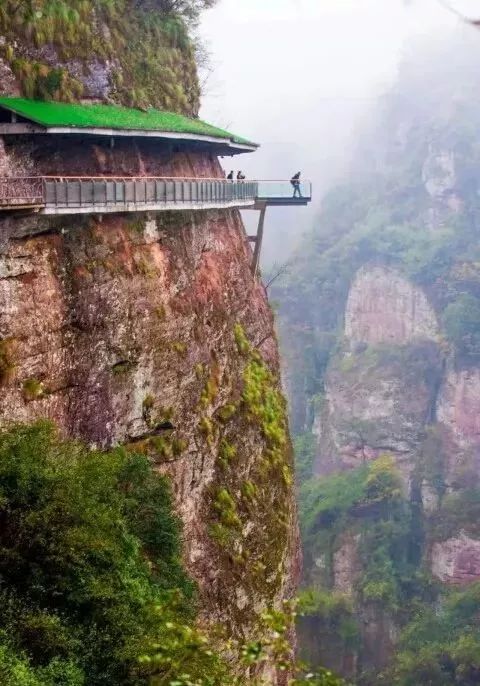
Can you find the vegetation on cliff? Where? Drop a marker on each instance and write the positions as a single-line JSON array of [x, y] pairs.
[[251, 526], [139, 53], [90, 566], [93, 591]]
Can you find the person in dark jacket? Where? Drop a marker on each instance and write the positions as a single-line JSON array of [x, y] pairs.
[[230, 176], [295, 181]]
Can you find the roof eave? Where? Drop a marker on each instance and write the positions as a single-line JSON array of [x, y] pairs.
[[143, 133]]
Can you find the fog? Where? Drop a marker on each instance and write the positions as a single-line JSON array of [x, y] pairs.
[[298, 77]]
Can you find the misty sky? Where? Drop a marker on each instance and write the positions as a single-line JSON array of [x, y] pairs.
[[297, 76]]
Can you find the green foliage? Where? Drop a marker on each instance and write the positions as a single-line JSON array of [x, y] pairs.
[[6, 359], [147, 409], [179, 347], [367, 500], [323, 603], [90, 568], [93, 591], [249, 491], [250, 519], [45, 83], [16, 669], [461, 319], [33, 389], [226, 508], [383, 483], [226, 412], [442, 646], [458, 511], [265, 404], [334, 611], [151, 44], [243, 346], [211, 388], [207, 428], [326, 503], [187, 8], [304, 448], [227, 453]]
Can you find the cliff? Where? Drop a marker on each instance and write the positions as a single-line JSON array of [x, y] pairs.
[[379, 323], [134, 53], [113, 328], [148, 330]]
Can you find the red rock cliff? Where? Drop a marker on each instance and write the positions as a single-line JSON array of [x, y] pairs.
[[133, 329]]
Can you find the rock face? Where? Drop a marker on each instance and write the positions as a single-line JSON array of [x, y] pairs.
[[389, 390], [381, 388], [458, 406], [390, 382], [376, 405], [125, 330], [457, 560], [346, 566], [384, 307]]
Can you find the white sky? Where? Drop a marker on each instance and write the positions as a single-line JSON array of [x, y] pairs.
[[297, 76]]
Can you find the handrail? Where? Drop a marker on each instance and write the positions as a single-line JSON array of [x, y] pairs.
[[86, 193], [111, 177]]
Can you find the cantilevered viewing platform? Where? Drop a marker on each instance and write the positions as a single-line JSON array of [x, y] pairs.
[[23, 120], [102, 194]]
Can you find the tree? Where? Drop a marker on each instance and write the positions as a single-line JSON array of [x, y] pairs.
[[189, 9]]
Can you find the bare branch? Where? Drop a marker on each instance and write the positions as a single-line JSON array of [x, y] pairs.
[[283, 269], [467, 20]]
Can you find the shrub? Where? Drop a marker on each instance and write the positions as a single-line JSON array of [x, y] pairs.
[[90, 569], [461, 320]]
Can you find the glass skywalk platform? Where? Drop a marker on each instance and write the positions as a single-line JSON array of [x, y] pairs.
[[99, 195]]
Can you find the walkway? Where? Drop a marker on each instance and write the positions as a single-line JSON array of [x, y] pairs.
[[99, 195]]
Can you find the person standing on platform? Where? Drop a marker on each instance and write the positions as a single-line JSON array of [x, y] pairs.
[[295, 181]]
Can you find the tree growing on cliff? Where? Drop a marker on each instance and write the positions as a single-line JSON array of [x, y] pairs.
[[189, 9]]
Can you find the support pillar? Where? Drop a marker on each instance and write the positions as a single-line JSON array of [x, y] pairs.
[[258, 242]]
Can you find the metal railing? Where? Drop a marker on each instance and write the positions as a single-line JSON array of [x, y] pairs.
[[108, 193], [281, 189], [79, 192]]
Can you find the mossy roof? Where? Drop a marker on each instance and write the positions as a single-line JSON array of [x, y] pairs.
[[94, 116]]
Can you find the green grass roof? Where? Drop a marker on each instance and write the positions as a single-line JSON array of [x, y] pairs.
[[60, 114]]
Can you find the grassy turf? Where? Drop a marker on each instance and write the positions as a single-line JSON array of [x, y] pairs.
[[50, 114]]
